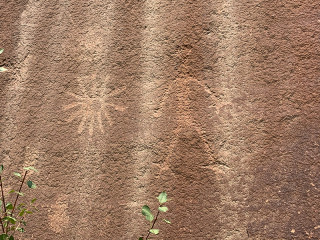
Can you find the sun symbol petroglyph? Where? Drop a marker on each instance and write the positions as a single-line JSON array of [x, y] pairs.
[[92, 106]]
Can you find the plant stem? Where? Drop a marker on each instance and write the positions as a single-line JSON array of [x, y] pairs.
[[4, 205], [3, 200], [15, 203], [154, 222], [15, 230], [3, 231]]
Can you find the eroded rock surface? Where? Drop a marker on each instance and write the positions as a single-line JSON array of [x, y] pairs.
[[216, 102]]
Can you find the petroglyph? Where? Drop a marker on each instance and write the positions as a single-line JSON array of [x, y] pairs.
[[182, 89], [92, 106]]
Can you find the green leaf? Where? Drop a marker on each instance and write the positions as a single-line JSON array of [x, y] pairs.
[[154, 231], [167, 221], [1, 50], [24, 223], [30, 169], [35, 208], [14, 191], [140, 238], [2, 69], [163, 209], [162, 197], [33, 200], [9, 206], [10, 219], [31, 184], [20, 229], [17, 174], [21, 205], [3, 236], [22, 212], [147, 212], [11, 238], [1, 169]]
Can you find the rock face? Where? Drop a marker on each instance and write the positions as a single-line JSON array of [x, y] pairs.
[[215, 101]]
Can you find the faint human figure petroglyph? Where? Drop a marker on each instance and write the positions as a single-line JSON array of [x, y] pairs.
[[92, 106], [58, 217], [181, 88]]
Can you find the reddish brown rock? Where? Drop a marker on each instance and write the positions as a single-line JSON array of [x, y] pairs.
[[216, 102]]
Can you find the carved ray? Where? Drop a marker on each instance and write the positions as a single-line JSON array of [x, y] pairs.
[[99, 118], [83, 121], [116, 107], [116, 92], [72, 105], [75, 96], [91, 124], [74, 116]]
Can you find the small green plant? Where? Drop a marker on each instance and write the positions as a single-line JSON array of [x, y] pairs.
[[149, 216], [12, 215], [2, 69]]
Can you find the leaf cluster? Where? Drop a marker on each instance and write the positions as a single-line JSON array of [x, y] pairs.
[[162, 198], [13, 214]]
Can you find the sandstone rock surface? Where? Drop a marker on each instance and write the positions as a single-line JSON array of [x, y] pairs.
[[215, 101]]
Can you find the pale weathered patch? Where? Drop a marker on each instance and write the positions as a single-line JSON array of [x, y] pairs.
[[58, 217], [32, 156]]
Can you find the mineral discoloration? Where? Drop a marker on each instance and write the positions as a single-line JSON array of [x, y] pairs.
[[216, 102], [58, 216]]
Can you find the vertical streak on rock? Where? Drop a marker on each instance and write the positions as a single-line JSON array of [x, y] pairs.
[[125, 67], [16, 88], [231, 120], [188, 135], [94, 42], [285, 92], [226, 68], [151, 76]]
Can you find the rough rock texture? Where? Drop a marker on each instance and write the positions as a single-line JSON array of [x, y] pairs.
[[215, 101]]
